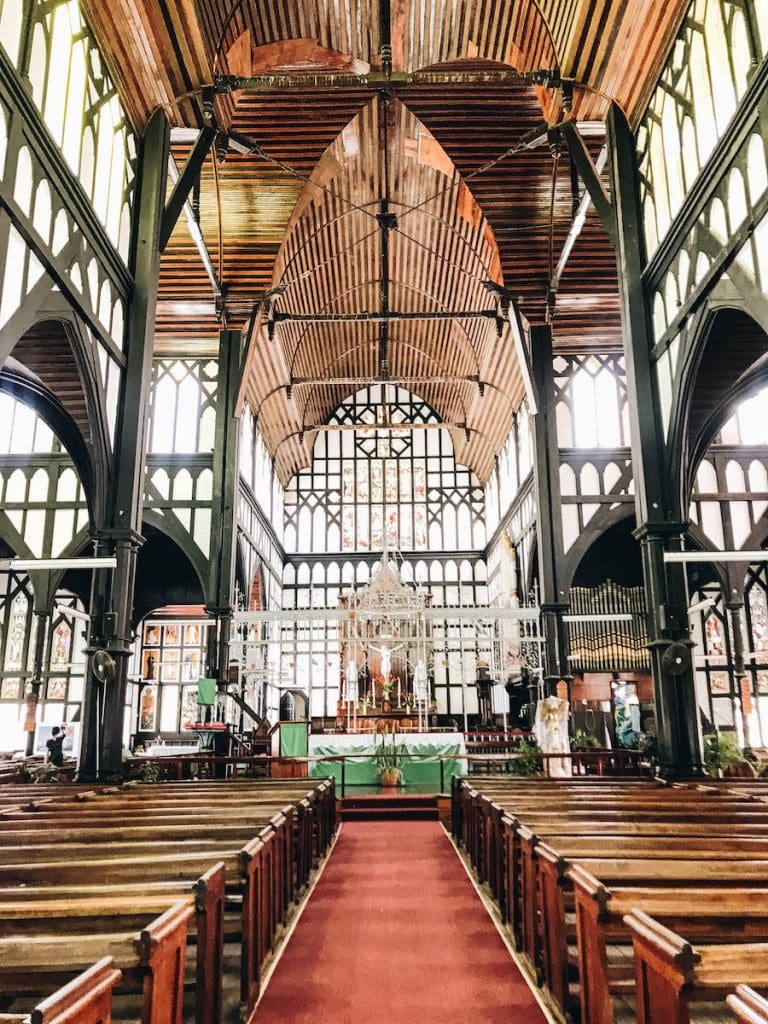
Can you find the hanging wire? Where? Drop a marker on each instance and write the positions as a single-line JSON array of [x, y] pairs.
[[552, 198]]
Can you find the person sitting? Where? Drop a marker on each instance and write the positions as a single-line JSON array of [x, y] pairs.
[[54, 746]]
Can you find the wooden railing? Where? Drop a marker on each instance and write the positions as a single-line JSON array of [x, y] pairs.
[[621, 763]]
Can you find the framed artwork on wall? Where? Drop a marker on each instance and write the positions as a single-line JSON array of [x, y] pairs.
[[148, 709]]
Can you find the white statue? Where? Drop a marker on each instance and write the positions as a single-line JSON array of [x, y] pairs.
[[551, 732], [352, 677]]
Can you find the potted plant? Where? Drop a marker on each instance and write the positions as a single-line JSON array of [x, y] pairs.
[[584, 741], [41, 772], [525, 763], [388, 758], [723, 756]]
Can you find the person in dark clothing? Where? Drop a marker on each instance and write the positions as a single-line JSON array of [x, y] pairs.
[[55, 744]]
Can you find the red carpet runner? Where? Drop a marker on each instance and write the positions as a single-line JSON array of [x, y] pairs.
[[395, 933]]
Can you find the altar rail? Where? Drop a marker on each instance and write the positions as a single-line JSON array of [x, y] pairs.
[[607, 763]]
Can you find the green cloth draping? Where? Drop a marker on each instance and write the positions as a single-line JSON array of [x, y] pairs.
[[294, 739], [206, 691], [420, 765]]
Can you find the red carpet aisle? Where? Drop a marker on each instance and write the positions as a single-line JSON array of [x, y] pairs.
[[395, 932]]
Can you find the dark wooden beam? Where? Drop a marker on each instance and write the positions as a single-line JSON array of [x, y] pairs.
[[659, 518], [120, 535], [549, 524], [591, 177], [185, 183]]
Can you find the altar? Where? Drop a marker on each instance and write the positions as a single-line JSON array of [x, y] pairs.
[[420, 765]]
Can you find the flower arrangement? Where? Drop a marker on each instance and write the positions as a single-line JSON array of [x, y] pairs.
[[389, 756]]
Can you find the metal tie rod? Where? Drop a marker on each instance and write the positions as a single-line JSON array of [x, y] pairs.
[[716, 556]]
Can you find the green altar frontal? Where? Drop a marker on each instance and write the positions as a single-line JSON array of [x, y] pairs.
[[420, 764]]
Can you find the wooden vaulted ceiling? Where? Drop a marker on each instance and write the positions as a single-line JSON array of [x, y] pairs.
[[298, 217]]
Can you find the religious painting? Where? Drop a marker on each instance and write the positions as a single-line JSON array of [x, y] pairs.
[[626, 714], [348, 528], [714, 636], [171, 635], [170, 672], [762, 682], [377, 482], [151, 636], [14, 649], [149, 665], [377, 528], [189, 710], [719, 682], [362, 481], [62, 637], [190, 668], [10, 689], [148, 709], [348, 481], [192, 635], [419, 482], [390, 477], [392, 536], [758, 618], [420, 526], [57, 689]]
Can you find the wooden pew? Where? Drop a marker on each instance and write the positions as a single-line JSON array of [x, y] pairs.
[[510, 866], [151, 960], [481, 814], [291, 824], [551, 956], [128, 907], [87, 999], [748, 1007], [671, 972], [703, 912], [72, 825], [656, 830], [254, 875], [266, 871]]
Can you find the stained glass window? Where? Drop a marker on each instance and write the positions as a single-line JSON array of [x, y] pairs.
[[395, 482]]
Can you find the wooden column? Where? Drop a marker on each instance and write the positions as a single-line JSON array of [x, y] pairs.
[[549, 520], [113, 590], [224, 510], [659, 520]]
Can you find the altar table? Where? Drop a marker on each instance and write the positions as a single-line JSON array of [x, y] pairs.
[[423, 770]]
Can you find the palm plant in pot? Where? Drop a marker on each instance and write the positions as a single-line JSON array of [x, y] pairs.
[[389, 756]]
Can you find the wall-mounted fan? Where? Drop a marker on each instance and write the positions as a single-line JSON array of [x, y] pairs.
[[676, 658], [103, 665]]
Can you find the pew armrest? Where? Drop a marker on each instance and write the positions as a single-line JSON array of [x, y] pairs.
[[748, 1007], [87, 999], [662, 947]]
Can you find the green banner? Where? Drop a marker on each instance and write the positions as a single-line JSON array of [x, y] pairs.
[[294, 739]]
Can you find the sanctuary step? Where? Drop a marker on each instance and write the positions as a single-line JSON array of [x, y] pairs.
[[396, 807]]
